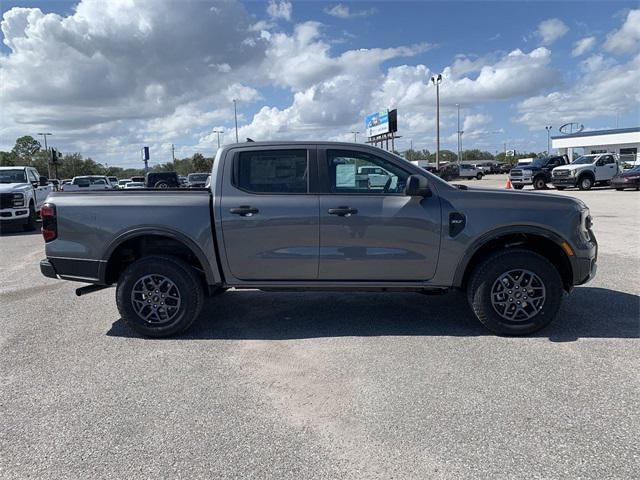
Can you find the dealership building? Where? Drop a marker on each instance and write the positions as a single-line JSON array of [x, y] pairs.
[[624, 141]]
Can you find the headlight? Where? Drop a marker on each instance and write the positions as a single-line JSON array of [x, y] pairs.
[[572, 173], [18, 200]]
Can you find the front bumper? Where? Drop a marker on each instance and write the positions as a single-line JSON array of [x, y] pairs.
[[564, 181], [620, 183], [521, 180], [8, 214]]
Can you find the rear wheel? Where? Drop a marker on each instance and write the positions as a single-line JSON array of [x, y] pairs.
[[515, 292], [539, 183], [585, 183], [30, 225], [162, 184], [159, 296]]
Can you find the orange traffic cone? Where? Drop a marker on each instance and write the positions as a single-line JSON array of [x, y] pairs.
[[508, 185]]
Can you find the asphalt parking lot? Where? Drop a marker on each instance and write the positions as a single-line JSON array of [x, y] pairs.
[[324, 385]]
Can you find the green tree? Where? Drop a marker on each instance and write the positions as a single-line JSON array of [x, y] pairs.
[[8, 159], [200, 163], [25, 148]]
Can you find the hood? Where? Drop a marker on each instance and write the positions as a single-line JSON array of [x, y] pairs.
[[14, 187], [512, 199], [573, 167]]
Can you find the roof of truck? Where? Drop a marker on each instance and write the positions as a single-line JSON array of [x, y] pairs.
[[277, 143]]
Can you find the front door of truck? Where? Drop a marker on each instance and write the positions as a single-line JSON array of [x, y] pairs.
[[369, 231], [606, 168], [269, 217]]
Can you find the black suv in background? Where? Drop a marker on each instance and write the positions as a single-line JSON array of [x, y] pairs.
[[162, 180], [537, 173]]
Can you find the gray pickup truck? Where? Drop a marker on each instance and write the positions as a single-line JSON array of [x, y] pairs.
[[292, 216]]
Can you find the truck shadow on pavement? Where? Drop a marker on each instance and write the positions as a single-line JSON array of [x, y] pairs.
[[254, 315]]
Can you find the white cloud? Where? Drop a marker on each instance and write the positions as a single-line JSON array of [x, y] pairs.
[[551, 30], [343, 11], [582, 46], [627, 38], [475, 121], [280, 9], [596, 95]]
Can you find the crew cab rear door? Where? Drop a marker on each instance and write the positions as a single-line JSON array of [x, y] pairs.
[[370, 232], [269, 213]]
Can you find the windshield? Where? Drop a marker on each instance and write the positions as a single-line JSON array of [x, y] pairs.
[[584, 160], [198, 177], [13, 176], [539, 162]]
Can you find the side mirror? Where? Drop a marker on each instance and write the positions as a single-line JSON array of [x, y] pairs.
[[44, 181], [417, 186]]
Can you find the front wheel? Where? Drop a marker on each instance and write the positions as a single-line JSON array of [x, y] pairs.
[[159, 296], [539, 183], [30, 225], [515, 292], [585, 183], [479, 176]]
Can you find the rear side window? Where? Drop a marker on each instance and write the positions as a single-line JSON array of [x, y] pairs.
[[81, 182], [272, 171]]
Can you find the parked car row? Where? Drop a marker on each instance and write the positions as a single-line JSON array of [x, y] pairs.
[[584, 172], [151, 180]]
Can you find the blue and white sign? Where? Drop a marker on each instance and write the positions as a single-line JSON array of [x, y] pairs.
[[377, 123]]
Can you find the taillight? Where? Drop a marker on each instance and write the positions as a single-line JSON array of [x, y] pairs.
[[49, 222]]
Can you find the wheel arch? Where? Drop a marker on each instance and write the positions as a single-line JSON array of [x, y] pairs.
[[536, 239], [148, 241]]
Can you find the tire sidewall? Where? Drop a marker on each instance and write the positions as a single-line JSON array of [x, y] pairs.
[[539, 183], [488, 272], [179, 273], [31, 221]]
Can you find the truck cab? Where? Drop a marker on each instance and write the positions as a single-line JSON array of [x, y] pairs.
[[587, 171], [22, 193]]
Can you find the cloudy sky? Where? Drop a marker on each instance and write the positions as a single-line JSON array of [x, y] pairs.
[[109, 76]]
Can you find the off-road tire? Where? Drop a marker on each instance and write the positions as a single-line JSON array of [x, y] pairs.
[[183, 277], [486, 275], [30, 225]]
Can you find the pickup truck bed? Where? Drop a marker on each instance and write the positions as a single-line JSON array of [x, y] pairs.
[[282, 216]]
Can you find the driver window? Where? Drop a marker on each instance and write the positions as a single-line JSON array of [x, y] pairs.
[[608, 160], [359, 172], [32, 176]]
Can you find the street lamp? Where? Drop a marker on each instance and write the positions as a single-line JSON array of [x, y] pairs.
[[235, 116], [437, 80], [548, 129], [355, 136], [218, 132], [459, 145], [47, 150]]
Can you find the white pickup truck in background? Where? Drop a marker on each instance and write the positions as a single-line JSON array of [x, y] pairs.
[[88, 182], [22, 192]]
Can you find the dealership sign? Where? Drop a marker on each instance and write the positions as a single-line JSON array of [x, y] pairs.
[[381, 123], [377, 123]]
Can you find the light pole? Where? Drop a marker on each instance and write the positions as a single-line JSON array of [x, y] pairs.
[[437, 80], [218, 132], [235, 116], [548, 129], [460, 140], [459, 143], [355, 136], [46, 149]]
